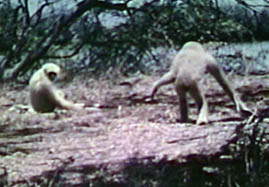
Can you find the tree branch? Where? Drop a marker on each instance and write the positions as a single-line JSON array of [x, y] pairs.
[[64, 22], [76, 51]]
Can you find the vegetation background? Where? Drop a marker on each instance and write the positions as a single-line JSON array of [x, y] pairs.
[[101, 36]]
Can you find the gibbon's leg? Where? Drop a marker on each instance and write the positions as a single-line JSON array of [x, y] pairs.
[[57, 97], [214, 70], [200, 99], [183, 105], [166, 79]]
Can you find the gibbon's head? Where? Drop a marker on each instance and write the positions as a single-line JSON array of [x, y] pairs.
[[52, 71], [193, 46]]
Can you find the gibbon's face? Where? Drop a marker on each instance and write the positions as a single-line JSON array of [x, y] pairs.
[[52, 71]]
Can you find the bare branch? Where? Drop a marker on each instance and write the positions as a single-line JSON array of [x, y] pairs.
[[38, 13], [65, 21], [76, 51]]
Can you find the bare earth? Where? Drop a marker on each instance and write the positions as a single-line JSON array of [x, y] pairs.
[[118, 129]]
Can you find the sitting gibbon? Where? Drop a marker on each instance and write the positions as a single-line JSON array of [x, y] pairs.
[[44, 96]]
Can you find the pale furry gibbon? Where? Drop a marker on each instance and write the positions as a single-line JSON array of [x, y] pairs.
[[44, 95], [187, 70]]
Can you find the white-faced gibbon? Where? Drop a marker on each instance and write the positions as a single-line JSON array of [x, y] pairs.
[[44, 95]]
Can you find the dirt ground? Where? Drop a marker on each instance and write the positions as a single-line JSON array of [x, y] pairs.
[[117, 127]]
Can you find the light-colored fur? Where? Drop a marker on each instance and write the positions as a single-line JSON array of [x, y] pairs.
[[44, 96], [187, 70]]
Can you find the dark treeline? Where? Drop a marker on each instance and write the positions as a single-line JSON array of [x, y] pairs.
[[97, 36]]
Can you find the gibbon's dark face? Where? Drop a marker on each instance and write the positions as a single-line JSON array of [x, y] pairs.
[[52, 71]]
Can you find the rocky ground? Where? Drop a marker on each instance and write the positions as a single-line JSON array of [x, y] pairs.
[[118, 134]]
